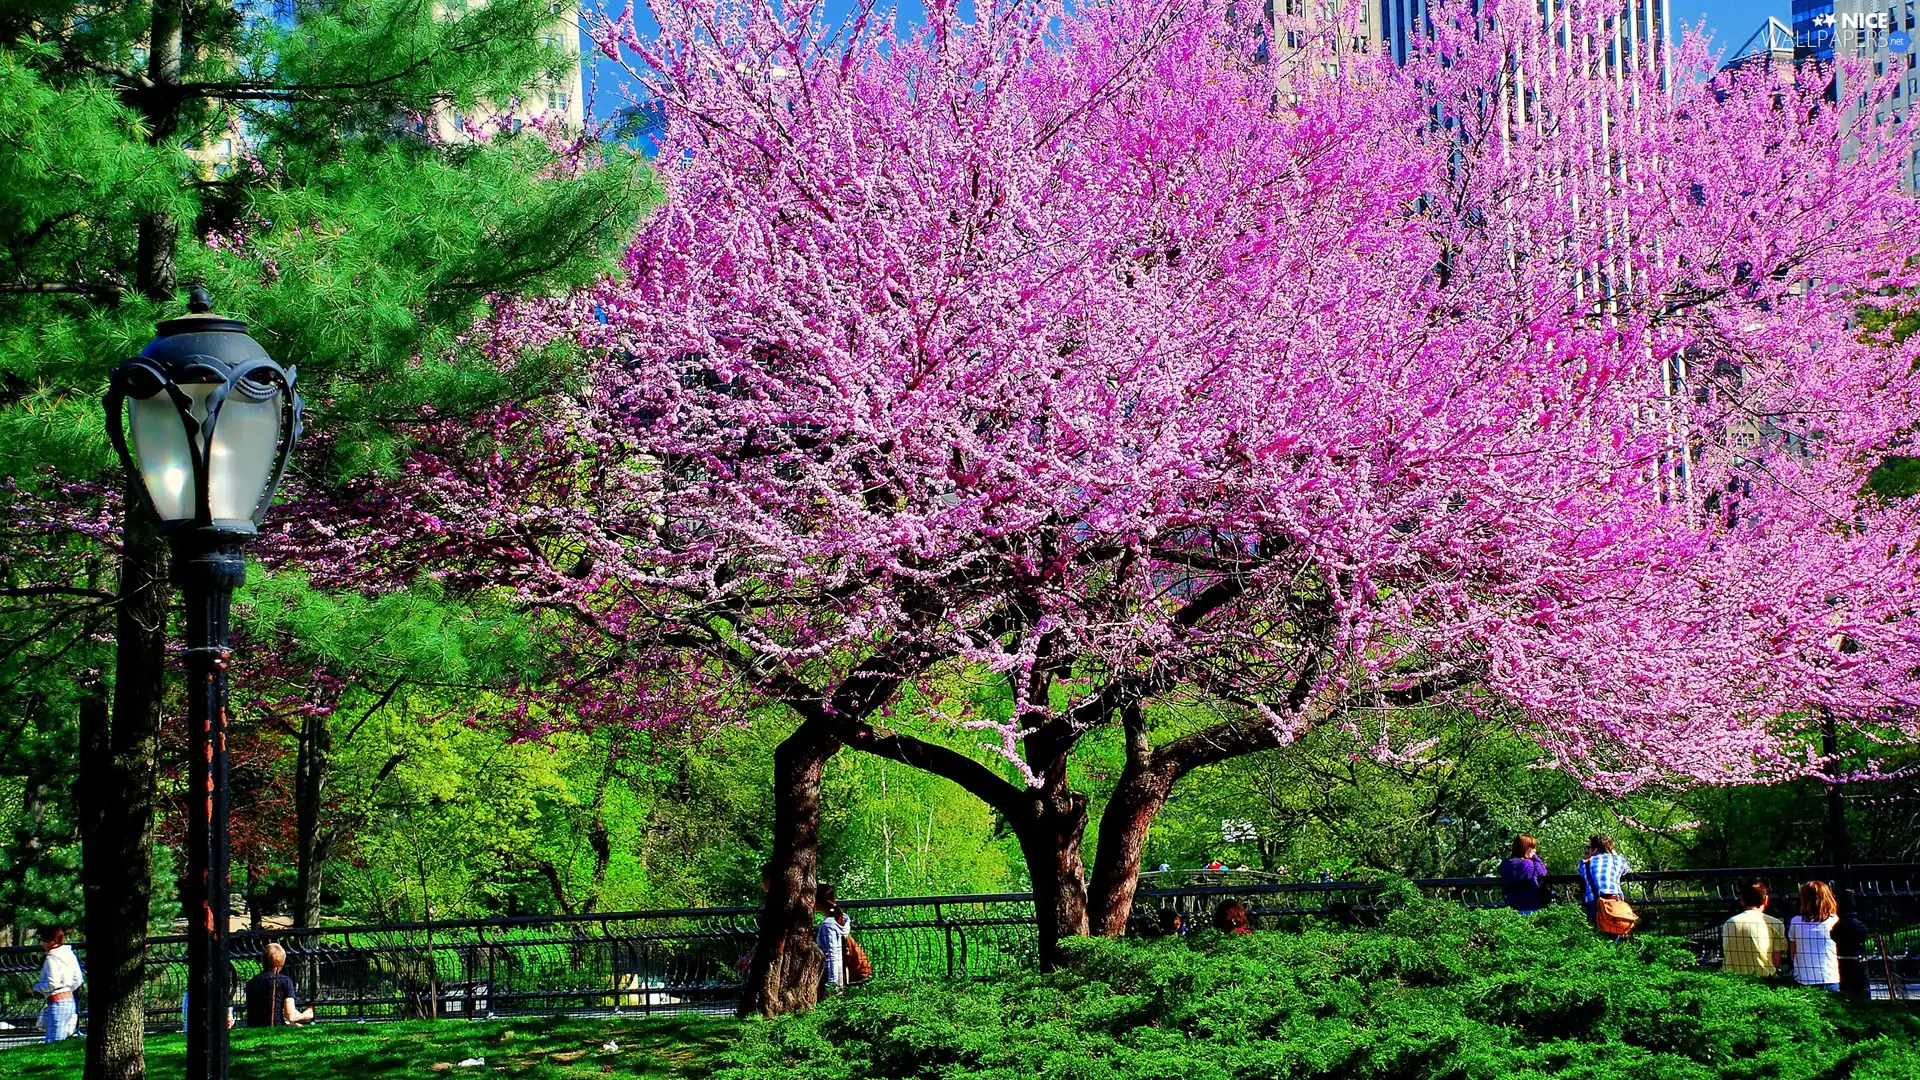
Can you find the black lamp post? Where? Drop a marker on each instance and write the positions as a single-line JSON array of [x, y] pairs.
[[212, 421], [1851, 934]]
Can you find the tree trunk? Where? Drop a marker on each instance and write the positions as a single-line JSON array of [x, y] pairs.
[[785, 973], [118, 777], [599, 838], [1051, 844], [1147, 781], [115, 795], [256, 900], [309, 795], [1138, 797]]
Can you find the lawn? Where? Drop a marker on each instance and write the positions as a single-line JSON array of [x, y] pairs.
[[657, 1048]]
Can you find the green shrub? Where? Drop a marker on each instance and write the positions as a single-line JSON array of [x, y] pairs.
[[1438, 993]]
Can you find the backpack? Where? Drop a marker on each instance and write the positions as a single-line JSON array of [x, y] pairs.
[[859, 967]]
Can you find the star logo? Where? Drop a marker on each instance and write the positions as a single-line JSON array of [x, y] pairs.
[[1823, 20]]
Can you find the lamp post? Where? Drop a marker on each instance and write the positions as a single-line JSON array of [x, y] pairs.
[[1851, 934], [212, 421]]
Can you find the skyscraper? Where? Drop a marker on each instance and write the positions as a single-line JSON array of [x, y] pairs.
[[1879, 35], [1393, 25]]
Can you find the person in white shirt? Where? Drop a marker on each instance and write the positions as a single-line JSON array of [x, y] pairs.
[[59, 977], [831, 936], [1811, 954]]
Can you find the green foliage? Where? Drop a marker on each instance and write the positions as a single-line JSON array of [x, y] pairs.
[[39, 840], [1325, 805], [1440, 991], [415, 635], [371, 271], [895, 831], [376, 260], [471, 823], [1898, 477]]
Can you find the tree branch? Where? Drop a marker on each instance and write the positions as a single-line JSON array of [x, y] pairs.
[[979, 781], [100, 595]]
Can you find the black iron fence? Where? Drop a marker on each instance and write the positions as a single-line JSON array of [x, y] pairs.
[[689, 960]]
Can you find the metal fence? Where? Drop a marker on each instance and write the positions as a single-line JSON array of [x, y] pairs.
[[688, 960]]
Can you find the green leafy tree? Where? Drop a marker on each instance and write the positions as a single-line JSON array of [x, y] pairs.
[[357, 251]]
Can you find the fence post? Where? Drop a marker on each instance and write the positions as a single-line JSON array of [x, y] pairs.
[[613, 971], [473, 970], [346, 947], [946, 930]]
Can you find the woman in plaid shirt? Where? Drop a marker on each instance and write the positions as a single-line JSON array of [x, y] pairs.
[[1601, 872]]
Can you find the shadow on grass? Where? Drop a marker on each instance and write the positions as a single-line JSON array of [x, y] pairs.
[[546, 1048]]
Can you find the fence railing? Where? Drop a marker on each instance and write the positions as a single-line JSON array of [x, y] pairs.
[[688, 960]]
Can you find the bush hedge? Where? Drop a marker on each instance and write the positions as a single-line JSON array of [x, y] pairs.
[[1437, 992]]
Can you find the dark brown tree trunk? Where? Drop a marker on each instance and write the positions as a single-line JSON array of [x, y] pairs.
[[1051, 843], [599, 838], [115, 795], [256, 900], [1137, 798], [309, 796], [784, 976], [118, 775]]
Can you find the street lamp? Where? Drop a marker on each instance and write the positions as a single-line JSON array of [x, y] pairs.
[[212, 421]]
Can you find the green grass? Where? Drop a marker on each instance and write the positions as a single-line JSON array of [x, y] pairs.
[[658, 1048]]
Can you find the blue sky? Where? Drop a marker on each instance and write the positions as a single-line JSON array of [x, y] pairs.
[[604, 79], [1731, 21]]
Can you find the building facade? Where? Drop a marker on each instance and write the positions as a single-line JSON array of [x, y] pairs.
[[1880, 35], [1637, 34], [561, 101]]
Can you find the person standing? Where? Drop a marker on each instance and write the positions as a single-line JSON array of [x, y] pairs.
[[1811, 954], [60, 977], [1754, 942], [831, 936], [1523, 876], [270, 994], [1601, 872]]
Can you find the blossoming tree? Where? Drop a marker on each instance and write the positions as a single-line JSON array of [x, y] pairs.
[[1073, 349]]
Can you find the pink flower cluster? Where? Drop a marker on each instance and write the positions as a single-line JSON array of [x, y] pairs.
[[1075, 344]]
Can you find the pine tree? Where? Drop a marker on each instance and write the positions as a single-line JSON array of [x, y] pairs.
[[358, 248]]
